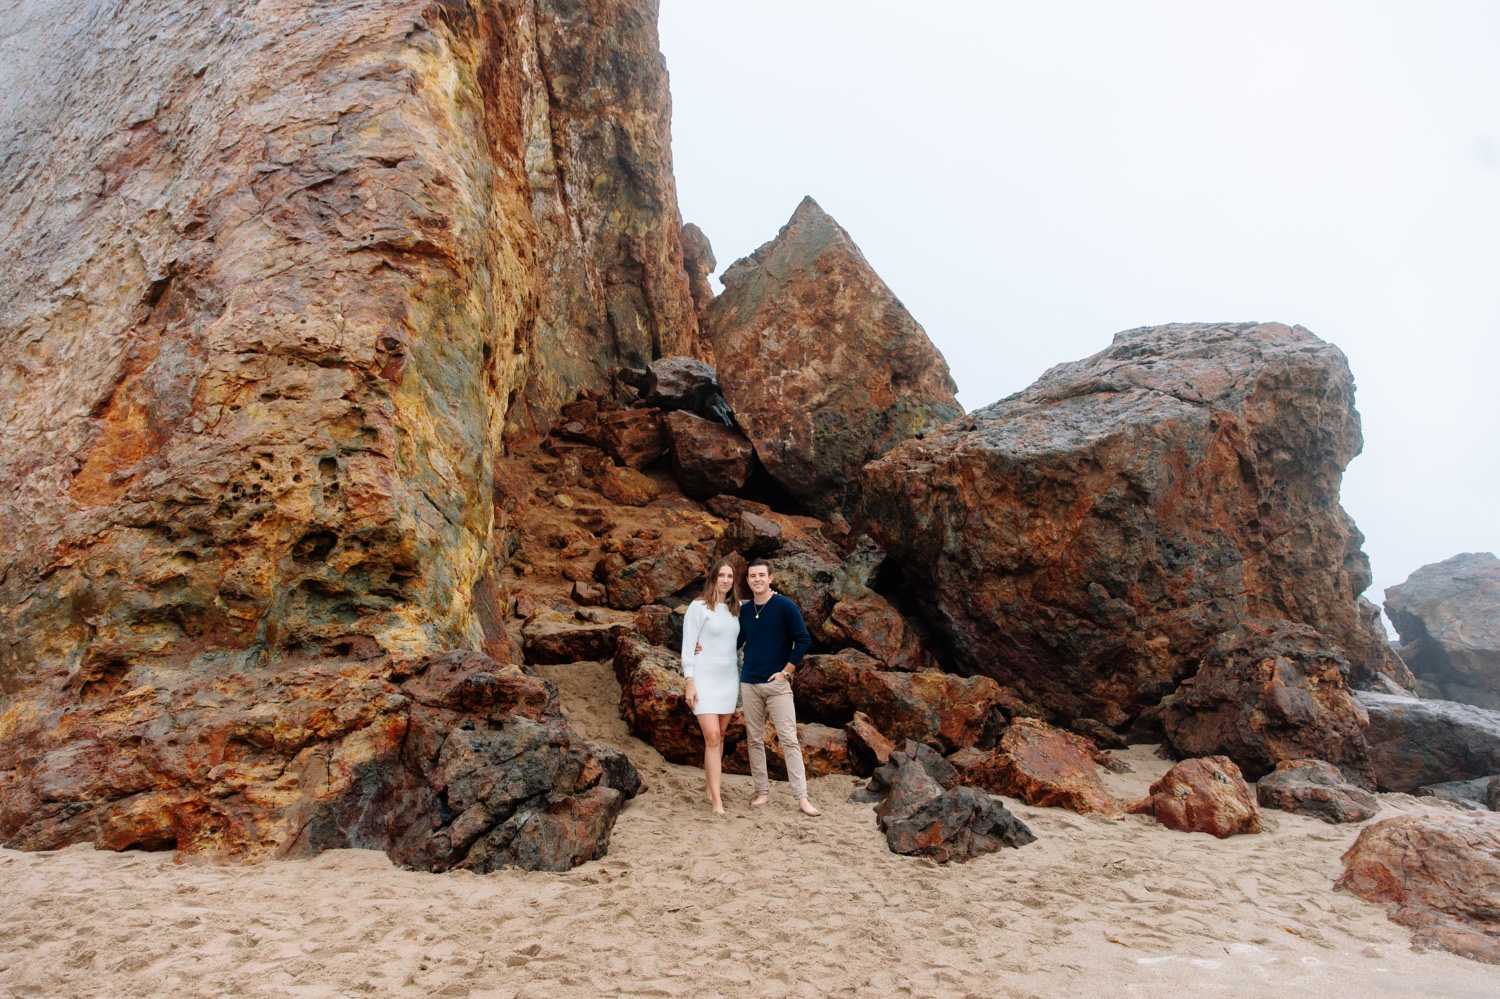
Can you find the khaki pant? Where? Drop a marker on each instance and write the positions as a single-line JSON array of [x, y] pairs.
[[774, 699]]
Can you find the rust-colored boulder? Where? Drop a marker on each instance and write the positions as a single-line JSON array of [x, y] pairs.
[[639, 583], [626, 486], [707, 458], [822, 364], [869, 622], [633, 437], [1448, 616], [1044, 766], [1207, 795], [1086, 540], [660, 625], [1269, 691], [752, 536], [936, 708], [1313, 787], [1437, 874], [1414, 741], [698, 261]]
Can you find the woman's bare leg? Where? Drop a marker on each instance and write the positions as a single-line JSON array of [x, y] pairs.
[[713, 757]]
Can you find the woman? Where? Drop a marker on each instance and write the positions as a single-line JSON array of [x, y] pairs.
[[710, 631]]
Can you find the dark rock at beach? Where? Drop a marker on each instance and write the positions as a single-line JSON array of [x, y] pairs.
[[554, 638], [1269, 691], [1414, 741], [1313, 787], [1435, 874], [822, 364], [1448, 616], [1087, 540], [1208, 795], [1481, 793], [922, 815]]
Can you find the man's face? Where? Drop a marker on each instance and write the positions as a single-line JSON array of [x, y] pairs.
[[759, 579]]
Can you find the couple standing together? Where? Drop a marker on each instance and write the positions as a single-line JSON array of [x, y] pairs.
[[774, 637]]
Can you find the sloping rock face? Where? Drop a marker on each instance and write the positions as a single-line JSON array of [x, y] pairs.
[[822, 364], [283, 279], [1448, 616], [1269, 691], [1313, 787], [1087, 539], [1436, 874], [1414, 742]]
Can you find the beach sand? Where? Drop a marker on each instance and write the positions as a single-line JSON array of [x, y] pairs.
[[762, 903]]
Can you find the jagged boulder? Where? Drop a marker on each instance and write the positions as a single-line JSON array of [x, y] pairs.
[[653, 702], [1269, 691], [934, 708], [1414, 741], [708, 458], [822, 364], [1044, 766], [1086, 540], [1208, 795], [1313, 787], [1448, 617], [1436, 874], [923, 811]]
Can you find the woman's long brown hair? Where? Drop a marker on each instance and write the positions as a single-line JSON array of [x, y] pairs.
[[711, 588]]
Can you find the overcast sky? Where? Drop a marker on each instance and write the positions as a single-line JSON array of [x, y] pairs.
[[1033, 178]]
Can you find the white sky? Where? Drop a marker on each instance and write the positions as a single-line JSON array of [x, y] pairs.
[[1031, 178]]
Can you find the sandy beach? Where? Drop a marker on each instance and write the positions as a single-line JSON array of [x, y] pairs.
[[762, 903]]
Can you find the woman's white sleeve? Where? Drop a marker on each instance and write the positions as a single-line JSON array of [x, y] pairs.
[[690, 631]]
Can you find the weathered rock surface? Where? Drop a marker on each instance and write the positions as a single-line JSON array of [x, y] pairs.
[[461, 763], [926, 814], [1479, 793], [1208, 795], [824, 751], [1415, 741], [938, 709], [687, 384], [266, 324], [1043, 766], [1086, 540], [1269, 691], [1313, 787], [653, 702], [1436, 874], [1448, 616], [554, 638], [708, 458], [823, 366], [639, 583]]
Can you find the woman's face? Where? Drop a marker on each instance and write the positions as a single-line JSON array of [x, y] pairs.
[[725, 580]]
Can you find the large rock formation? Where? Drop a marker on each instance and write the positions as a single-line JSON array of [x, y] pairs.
[[1414, 742], [822, 364], [1448, 616], [1436, 874], [1086, 540], [282, 278]]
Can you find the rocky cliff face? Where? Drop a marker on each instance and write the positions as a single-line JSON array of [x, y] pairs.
[[1087, 539], [284, 279]]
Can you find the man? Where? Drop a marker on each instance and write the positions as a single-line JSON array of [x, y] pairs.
[[775, 639]]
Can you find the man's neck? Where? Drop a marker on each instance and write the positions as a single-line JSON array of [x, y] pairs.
[[762, 601]]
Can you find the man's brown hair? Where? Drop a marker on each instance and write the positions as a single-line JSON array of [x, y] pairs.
[[758, 561]]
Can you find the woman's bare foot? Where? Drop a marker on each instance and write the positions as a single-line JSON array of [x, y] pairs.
[[718, 808], [808, 808], [760, 799]]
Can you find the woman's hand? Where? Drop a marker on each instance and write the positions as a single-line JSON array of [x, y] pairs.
[[698, 650], [691, 695]]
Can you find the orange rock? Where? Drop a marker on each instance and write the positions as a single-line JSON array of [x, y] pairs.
[[1045, 766], [1207, 795]]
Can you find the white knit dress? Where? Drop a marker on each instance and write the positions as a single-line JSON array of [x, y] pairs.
[[715, 670]]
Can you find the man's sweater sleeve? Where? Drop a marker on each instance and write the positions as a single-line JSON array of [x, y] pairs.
[[800, 638]]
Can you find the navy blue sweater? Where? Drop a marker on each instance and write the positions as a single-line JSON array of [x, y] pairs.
[[779, 636]]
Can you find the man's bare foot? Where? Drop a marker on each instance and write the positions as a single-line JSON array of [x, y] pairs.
[[760, 799], [808, 808]]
